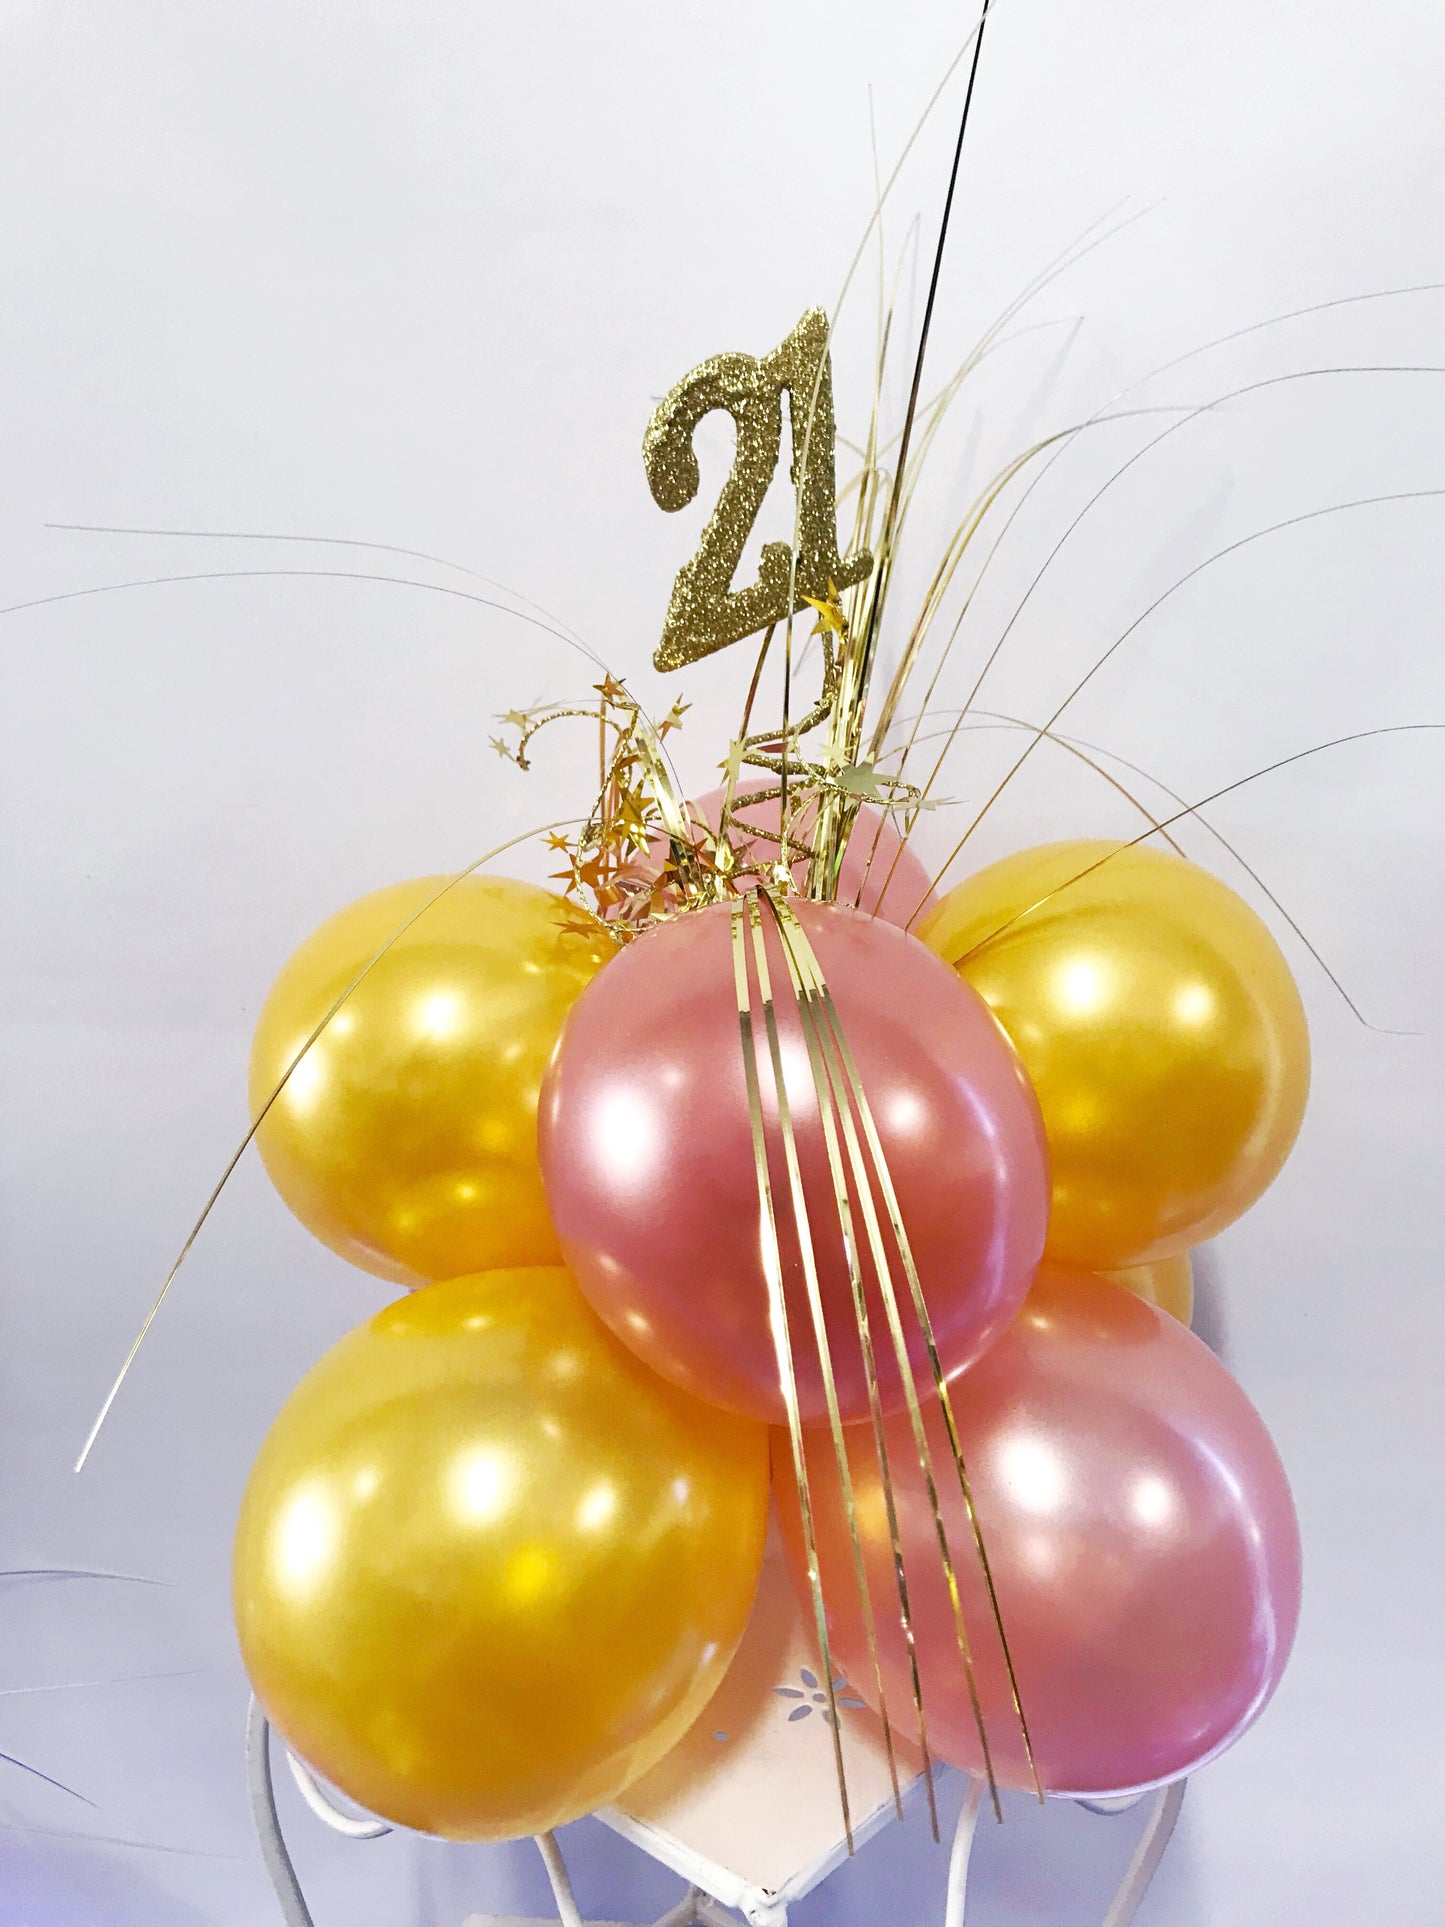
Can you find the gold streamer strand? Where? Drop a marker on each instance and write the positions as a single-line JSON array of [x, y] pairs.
[[809, 1255], [778, 1322], [1219, 555], [925, 1323], [954, 556], [862, 666], [837, 806], [315, 575], [1080, 746], [809, 964], [260, 1118], [733, 766], [1086, 752], [330, 542], [958, 544], [1193, 809], [824, 1064], [1110, 411], [995, 719]]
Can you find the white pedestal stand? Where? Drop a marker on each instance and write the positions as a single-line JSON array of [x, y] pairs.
[[745, 1809]]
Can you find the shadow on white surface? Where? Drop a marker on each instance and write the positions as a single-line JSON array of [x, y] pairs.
[[1211, 1304]]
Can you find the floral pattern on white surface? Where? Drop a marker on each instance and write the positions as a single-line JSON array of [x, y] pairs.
[[812, 1697]]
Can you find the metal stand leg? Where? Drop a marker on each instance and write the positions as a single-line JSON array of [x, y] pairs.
[[1156, 1836], [768, 1914], [696, 1909], [685, 1913], [961, 1855], [354, 1826], [556, 1867], [1158, 1831], [268, 1826]]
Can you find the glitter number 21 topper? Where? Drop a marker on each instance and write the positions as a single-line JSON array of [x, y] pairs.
[[706, 613]]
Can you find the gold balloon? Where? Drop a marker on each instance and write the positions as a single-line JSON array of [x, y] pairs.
[[1167, 1283], [406, 1138], [1161, 1028], [489, 1567]]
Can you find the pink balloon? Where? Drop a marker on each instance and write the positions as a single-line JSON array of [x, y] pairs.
[[1140, 1532], [887, 881], [647, 1154]]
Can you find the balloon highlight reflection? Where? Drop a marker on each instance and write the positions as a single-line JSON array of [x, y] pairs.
[[1140, 1532], [406, 1137], [489, 1568], [648, 1154], [1160, 1026]]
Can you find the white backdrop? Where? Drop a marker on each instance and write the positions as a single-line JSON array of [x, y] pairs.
[[413, 272]]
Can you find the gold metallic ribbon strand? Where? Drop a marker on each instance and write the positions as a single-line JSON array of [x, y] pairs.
[[778, 1321], [813, 973]]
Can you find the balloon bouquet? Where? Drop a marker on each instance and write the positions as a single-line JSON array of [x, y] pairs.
[[745, 1163]]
